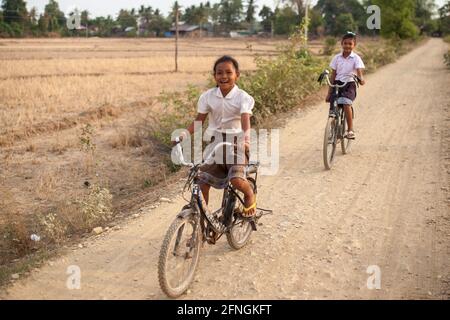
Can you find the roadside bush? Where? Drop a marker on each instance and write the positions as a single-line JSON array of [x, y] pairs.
[[96, 207], [330, 46], [280, 83], [447, 58], [5, 30], [179, 109]]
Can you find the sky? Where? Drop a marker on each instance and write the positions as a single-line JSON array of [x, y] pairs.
[[112, 7]]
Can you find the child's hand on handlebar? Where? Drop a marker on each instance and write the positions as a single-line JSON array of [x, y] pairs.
[[175, 142], [179, 139]]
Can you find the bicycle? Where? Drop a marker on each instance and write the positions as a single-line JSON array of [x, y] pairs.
[[336, 124], [196, 224]]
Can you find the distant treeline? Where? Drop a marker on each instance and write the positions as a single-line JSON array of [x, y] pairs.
[[400, 18]]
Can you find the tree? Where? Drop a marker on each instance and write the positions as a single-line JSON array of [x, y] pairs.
[[214, 15], [195, 15], [85, 18], [32, 16], [103, 25], [286, 19], [331, 9], [43, 23], [267, 18], [424, 10], [15, 11], [126, 19], [251, 9], [230, 13], [145, 16], [316, 22], [159, 24], [344, 23], [444, 19], [55, 17], [397, 18], [298, 6]]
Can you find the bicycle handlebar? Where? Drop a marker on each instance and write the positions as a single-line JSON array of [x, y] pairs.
[[326, 73], [207, 160]]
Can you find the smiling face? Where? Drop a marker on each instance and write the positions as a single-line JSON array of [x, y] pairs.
[[226, 76], [348, 45]]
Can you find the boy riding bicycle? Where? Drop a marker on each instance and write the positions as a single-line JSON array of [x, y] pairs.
[[343, 65]]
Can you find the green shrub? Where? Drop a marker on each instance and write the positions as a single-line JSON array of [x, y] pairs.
[[96, 207], [447, 58], [330, 46], [5, 30], [280, 84], [179, 110]]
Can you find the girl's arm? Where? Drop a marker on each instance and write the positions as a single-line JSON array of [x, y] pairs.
[[359, 73], [330, 89], [200, 117], [245, 123], [332, 78]]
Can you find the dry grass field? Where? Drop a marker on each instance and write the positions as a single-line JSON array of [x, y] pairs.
[[46, 80]]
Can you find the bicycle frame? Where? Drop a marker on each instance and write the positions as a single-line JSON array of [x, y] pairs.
[[198, 204]]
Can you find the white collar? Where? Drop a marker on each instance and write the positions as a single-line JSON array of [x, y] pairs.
[[230, 94], [352, 55]]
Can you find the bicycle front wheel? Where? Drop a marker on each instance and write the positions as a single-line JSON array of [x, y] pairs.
[[329, 143], [179, 255]]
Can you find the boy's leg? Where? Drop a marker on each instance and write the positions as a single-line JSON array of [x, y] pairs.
[[205, 191], [349, 116], [244, 186], [332, 111]]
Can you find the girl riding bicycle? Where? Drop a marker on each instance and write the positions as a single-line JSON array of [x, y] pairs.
[[343, 65], [229, 109]]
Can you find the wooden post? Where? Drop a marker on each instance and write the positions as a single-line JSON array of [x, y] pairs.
[[176, 36], [306, 22]]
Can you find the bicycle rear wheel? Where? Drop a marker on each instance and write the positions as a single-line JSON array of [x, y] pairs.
[[329, 143], [241, 230], [179, 255]]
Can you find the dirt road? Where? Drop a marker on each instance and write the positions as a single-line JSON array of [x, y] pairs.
[[386, 204]]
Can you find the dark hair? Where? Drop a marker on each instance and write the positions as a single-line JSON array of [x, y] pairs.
[[349, 35], [226, 59]]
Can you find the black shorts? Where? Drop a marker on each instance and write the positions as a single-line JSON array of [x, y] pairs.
[[346, 95]]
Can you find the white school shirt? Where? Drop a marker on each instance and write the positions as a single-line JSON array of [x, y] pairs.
[[225, 112], [346, 66]]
